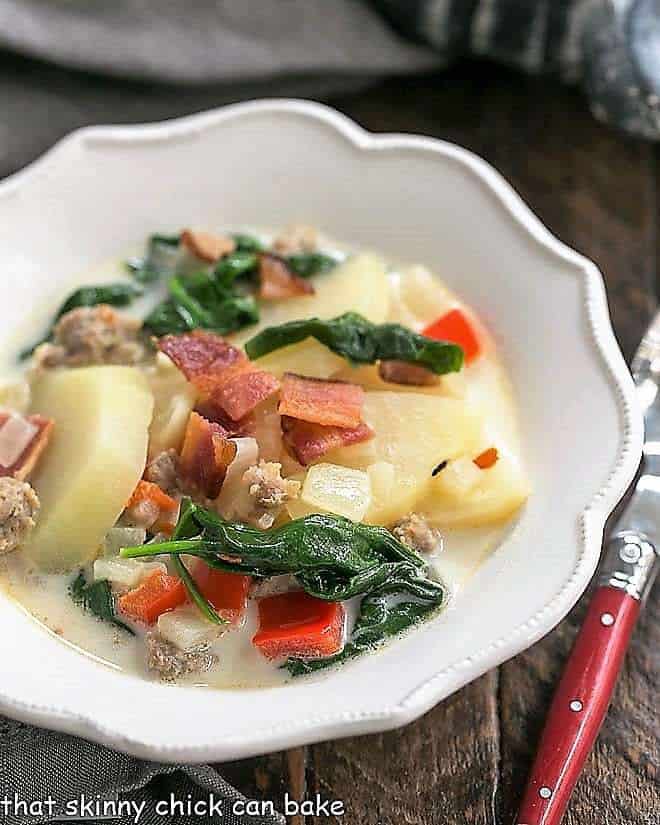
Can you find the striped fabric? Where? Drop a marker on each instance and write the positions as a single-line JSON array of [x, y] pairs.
[[611, 46]]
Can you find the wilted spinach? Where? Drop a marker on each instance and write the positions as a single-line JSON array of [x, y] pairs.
[[160, 260], [361, 342], [307, 264], [204, 606], [332, 558], [247, 243], [97, 598], [235, 265], [199, 301]]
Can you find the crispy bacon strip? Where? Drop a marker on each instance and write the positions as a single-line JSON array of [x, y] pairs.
[[278, 281], [331, 403], [242, 392], [307, 442], [235, 429], [401, 372], [200, 353], [23, 466], [207, 246], [205, 455], [227, 380]]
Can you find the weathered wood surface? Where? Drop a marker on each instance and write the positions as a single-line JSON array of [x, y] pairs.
[[465, 762]]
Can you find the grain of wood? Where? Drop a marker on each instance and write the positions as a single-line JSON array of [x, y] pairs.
[[423, 774], [263, 778], [297, 779]]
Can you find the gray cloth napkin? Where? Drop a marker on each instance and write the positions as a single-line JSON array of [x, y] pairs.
[[611, 46], [37, 766]]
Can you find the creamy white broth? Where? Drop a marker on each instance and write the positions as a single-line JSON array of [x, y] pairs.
[[484, 383], [46, 598]]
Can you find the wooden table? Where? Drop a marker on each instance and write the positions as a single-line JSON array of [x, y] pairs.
[[465, 761]]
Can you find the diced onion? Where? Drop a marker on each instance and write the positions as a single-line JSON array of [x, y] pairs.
[[15, 436], [234, 501], [125, 573], [335, 489], [118, 537], [186, 628]]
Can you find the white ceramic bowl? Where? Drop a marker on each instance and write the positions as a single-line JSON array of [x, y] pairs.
[[416, 199]]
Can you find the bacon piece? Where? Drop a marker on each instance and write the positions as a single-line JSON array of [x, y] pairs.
[[401, 372], [210, 410], [206, 246], [307, 442], [227, 380], [200, 353], [157, 593], [24, 464], [331, 403], [205, 455], [239, 395], [278, 281]]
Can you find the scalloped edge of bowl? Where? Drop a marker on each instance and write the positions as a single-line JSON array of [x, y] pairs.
[[432, 690]]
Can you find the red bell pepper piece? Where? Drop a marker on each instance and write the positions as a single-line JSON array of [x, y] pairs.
[[296, 624], [454, 326], [487, 459], [157, 593], [227, 592]]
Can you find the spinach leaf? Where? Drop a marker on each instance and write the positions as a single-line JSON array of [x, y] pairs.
[[361, 342], [307, 264], [331, 552], [168, 317], [332, 558], [97, 598], [119, 294], [198, 300], [160, 260], [247, 243], [234, 266], [205, 607]]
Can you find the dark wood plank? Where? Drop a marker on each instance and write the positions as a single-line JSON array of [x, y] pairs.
[[441, 770], [263, 778], [297, 777]]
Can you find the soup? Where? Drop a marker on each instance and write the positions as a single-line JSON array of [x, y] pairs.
[[244, 458]]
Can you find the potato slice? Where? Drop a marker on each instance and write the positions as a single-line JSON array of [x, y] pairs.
[[97, 456], [388, 489], [359, 284], [413, 432], [500, 492], [306, 358], [453, 384], [423, 294]]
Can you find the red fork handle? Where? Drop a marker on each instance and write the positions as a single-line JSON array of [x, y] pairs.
[[579, 705]]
